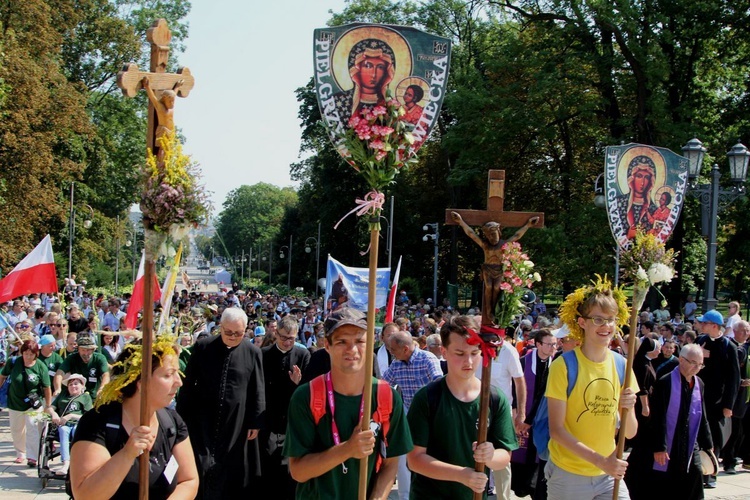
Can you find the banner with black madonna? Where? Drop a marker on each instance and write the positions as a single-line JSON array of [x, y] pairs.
[[645, 188], [358, 66]]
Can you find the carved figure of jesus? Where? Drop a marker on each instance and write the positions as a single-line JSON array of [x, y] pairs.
[[164, 108], [492, 268]]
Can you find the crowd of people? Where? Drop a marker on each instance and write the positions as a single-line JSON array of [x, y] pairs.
[[262, 394]]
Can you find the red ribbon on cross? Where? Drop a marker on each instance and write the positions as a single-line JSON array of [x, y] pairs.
[[489, 349]]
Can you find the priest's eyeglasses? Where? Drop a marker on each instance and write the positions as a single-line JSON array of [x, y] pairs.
[[599, 321], [232, 334], [694, 363]]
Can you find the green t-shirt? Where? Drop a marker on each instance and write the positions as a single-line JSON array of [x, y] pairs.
[[450, 435], [24, 382], [52, 363], [78, 406], [304, 437], [92, 370]]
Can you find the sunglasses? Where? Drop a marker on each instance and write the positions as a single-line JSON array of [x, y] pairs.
[[233, 334], [55, 324], [23, 327]]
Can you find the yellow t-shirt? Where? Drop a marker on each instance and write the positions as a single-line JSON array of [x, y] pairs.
[[591, 411]]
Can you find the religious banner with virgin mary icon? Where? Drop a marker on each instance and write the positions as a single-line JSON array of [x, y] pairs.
[[363, 66], [645, 188]]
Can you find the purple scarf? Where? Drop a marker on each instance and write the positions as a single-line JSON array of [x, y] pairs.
[[519, 455], [695, 411]]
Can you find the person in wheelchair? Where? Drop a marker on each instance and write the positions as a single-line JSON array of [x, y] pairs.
[[65, 412]]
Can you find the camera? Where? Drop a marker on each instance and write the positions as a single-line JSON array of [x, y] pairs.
[[34, 400]]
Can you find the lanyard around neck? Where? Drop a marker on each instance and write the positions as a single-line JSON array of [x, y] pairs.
[[332, 405]]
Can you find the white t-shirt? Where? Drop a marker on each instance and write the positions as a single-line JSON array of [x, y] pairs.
[[505, 367], [731, 321]]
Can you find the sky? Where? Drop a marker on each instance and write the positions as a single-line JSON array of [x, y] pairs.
[[248, 57]]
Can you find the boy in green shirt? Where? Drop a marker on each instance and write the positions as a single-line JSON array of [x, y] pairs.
[[445, 447]]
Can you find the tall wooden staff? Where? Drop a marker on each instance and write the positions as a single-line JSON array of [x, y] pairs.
[[370, 346], [130, 80], [488, 332], [637, 292]]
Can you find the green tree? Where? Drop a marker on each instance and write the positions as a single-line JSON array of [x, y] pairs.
[[251, 217]]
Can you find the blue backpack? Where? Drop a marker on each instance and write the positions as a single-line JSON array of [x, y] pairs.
[[540, 427]]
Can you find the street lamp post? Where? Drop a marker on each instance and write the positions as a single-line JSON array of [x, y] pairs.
[[317, 255], [72, 227], [435, 237], [281, 255], [713, 199], [117, 256], [242, 275]]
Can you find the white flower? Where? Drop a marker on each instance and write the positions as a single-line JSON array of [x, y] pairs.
[[641, 274], [528, 264], [660, 272], [537, 277]]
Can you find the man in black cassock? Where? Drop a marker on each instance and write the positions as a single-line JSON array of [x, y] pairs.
[[666, 464], [223, 403], [283, 366]]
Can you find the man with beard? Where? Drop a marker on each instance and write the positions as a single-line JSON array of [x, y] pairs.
[[86, 362], [223, 404]]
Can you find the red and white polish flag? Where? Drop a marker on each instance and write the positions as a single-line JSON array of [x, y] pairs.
[[136, 300], [389, 310], [36, 273]]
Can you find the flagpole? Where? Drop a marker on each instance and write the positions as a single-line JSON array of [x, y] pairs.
[[369, 349], [147, 327]]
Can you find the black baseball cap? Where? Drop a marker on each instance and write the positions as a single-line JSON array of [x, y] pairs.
[[345, 316]]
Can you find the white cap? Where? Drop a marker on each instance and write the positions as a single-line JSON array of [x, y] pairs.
[[561, 332]]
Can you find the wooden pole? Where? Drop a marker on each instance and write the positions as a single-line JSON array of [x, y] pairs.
[[484, 408], [628, 371], [147, 327], [370, 348]]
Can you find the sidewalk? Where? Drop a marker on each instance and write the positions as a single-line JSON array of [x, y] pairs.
[[18, 482]]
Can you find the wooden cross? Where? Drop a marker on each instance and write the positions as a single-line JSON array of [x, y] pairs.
[[130, 79], [494, 212]]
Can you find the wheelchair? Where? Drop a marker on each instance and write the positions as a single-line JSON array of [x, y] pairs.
[[49, 449]]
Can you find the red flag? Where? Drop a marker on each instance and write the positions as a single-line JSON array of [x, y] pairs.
[[34, 274], [136, 301], [392, 296]]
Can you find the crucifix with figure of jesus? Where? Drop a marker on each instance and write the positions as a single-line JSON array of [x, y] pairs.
[[161, 88], [492, 220]]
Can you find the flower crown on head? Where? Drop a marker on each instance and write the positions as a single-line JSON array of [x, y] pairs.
[[132, 361], [569, 312]]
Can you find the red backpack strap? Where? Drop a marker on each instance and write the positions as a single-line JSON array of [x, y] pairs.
[[318, 398], [383, 416]]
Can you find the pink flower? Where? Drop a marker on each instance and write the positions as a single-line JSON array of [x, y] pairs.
[[379, 111], [505, 287], [354, 121], [377, 144], [380, 155]]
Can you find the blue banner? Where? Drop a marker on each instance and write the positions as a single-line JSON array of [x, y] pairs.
[[350, 285]]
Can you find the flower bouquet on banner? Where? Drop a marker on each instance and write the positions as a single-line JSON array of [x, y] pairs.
[[172, 200], [646, 263]]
